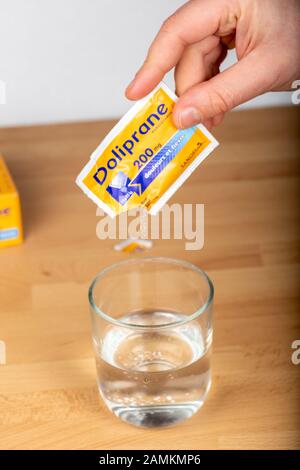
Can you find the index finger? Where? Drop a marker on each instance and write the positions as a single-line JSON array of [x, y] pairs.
[[192, 22]]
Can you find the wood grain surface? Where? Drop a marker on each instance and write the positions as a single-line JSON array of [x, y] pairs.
[[250, 188]]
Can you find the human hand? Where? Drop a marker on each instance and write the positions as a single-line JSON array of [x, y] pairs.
[[195, 40]]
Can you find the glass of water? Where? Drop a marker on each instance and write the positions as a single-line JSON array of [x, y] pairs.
[[152, 334]]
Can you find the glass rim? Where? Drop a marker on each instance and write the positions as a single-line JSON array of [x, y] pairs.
[[153, 259]]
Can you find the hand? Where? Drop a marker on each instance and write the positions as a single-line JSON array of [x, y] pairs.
[[195, 40]]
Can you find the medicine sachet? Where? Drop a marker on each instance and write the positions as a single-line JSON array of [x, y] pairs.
[[144, 159]]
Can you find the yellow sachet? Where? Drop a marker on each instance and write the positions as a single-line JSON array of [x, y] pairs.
[[144, 159]]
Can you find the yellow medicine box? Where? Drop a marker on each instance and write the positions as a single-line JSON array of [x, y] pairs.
[[11, 231]]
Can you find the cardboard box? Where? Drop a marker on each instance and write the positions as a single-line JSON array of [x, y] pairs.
[[11, 230]]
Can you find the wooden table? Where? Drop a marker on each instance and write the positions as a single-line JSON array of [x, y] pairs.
[[250, 188]]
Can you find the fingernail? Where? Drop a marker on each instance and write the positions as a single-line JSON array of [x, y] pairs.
[[131, 86], [188, 117]]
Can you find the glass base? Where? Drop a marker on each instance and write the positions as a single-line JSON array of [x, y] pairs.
[[155, 416]]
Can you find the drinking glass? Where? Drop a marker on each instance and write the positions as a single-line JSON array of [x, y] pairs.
[[152, 335]]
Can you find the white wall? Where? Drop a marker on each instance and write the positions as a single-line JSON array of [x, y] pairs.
[[66, 60]]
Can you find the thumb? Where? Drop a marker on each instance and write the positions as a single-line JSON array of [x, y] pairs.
[[250, 77]]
